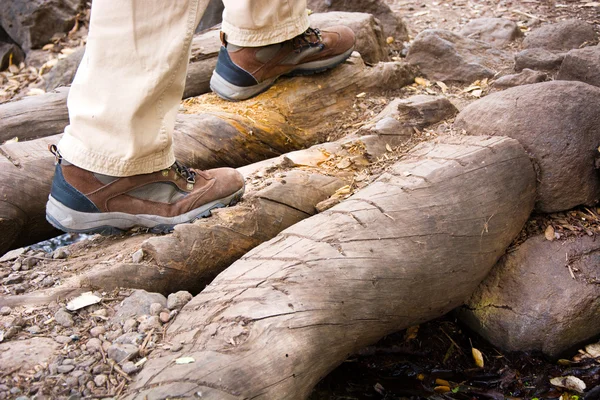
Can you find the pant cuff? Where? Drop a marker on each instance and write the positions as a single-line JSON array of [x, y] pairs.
[[265, 36], [74, 152]]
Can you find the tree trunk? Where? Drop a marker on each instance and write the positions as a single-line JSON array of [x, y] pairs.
[[215, 133], [408, 248]]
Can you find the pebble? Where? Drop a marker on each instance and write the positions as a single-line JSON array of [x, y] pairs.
[[60, 253], [31, 262], [88, 362], [5, 310], [155, 308], [34, 330], [47, 281], [130, 325], [15, 390], [13, 278], [176, 347], [4, 388], [22, 398], [100, 369], [138, 256], [121, 352], [94, 344], [84, 378], [16, 266], [100, 380], [62, 339], [72, 382], [11, 332], [63, 369], [53, 368], [130, 368], [19, 289], [68, 361], [165, 317], [177, 300], [150, 323], [97, 331], [63, 318]]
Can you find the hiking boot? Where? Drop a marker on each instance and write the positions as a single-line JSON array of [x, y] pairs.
[[243, 72], [84, 202]]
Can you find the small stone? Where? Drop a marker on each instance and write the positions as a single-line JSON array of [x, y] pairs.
[[138, 256], [165, 317], [176, 301], [130, 338], [63, 318], [31, 262], [13, 278], [97, 331], [63, 369], [150, 323], [121, 352], [100, 380], [15, 390], [16, 266], [84, 378], [34, 330], [47, 281], [11, 332], [130, 325], [18, 289], [67, 361], [88, 362], [130, 368], [100, 369], [106, 346], [60, 253], [53, 368], [5, 310], [155, 308], [176, 347], [72, 382], [62, 339]]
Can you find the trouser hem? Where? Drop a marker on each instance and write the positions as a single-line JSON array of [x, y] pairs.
[[265, 36]]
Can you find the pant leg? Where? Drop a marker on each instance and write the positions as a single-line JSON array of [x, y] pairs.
[[254, 23], [127, 90]]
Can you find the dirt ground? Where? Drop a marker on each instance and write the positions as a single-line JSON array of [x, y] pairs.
[[434, 360]]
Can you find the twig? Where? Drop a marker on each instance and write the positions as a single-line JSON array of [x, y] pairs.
[[527, 15], [119, 370], [453, 342]]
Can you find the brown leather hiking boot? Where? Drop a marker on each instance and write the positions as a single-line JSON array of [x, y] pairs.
[[244, 72], [82, 201]]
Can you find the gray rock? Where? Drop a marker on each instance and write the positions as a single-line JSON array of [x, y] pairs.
[[537, 58], [100, 380], [130, 368], [53, 368], [64, 318], [557, 123], [48, 281], [64, 369], [27, 353], [13, 254], [150, 323], [164, 317], [138, 303], [71, 382], [176, 347], [84, 378], [582, 65], [62, 339], [15, 390], [370, 40], [156, 308], [130, 325], [496, 31], [97, 331], [121, 352], [130, 338], [213, 15], [525, 77], [531, 302], [392, 24], [5, 310], [31, 262], [34, 330], [561, 36], [138, 256], [21, 288], [16, 267], [13, 278], [62, 74], [177, 300], [60, 253], [32, 23], [446, 56], [418, 111], [101, 369]]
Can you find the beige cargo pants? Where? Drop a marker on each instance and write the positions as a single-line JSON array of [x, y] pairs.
[[126, 93]]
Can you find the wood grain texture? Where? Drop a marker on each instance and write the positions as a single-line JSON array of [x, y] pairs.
[[408, 248]]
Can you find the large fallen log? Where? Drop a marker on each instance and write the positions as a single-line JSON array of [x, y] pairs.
[[215, 133], [408, 248]]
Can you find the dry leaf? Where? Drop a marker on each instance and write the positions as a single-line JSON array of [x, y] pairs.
[[362, 94], [185, 360], [593, 349], [442, 86], [48, 46], [441, 389], [389, 40], [388, 147], [84, 300], [478, 357], [569, 383], [421, 81], [549, 233], [411, 333]]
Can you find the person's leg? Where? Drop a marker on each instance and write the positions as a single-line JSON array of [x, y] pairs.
[[264, 39], [116, 167]]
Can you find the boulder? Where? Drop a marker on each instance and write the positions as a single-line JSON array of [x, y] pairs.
[[446, 56], [138, 304], [561, 36], [26, 353], [581, 65], [213, 15], [538, 58], [525, 77], [63, 72], [496, 31], [558, 123], [530, 300], [392, 24], [370, 40], [32, 23]]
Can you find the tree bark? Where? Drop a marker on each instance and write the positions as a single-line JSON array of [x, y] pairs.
[[214, 133], [408, 248]]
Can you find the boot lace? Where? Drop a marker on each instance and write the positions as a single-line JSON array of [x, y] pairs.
[[185, 172], [309, 38]]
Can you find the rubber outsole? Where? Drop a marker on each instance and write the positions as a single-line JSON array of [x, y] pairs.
[[158, 228], [230, 92]]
